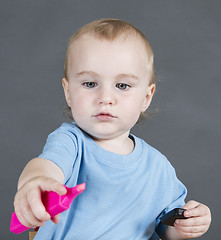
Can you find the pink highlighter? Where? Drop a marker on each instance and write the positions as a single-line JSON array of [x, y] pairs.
[[54, 204]]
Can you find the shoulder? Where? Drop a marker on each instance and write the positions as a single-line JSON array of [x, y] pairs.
[[68, 129], [68, 134], [148, 149], [153, 155]]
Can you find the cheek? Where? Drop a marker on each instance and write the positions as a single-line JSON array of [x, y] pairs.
[[132, 109], [134, 104], [77, 98], [81, 104]]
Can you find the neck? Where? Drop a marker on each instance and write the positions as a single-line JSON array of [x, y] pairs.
[[121, 145]]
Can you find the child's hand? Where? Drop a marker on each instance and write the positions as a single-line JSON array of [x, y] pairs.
[[198, 222], [28, 205]]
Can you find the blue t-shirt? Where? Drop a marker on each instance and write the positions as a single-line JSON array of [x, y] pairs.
[[125, 195]]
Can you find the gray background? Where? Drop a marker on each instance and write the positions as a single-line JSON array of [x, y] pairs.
[[186, 39]]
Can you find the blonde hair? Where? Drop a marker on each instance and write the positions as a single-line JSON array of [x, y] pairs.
[[110, 29]]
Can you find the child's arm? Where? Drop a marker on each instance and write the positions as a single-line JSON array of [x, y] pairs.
[[39, 175], [198, 222]]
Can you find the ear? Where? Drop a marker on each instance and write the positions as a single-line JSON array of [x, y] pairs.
[[148, 97], [65, 85]]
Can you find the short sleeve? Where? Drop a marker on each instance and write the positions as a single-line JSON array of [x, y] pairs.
[[176, 193], [61, 149]]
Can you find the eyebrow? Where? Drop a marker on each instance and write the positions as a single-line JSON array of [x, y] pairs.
[[86, 73], [127, 75], [122, 75]]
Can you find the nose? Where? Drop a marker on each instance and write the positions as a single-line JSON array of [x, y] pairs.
[[106, 97]]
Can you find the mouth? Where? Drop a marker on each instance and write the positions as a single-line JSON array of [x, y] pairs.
[[105, 116]]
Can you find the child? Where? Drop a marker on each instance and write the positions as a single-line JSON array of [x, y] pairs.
[[109, 82]]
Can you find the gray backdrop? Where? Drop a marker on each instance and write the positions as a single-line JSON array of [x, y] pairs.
[[186, 39]]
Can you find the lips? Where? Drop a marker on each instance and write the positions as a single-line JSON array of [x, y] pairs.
[[105, 116]]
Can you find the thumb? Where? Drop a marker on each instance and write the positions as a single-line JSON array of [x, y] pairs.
[[189, 206]]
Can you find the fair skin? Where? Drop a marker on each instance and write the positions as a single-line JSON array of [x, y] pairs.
[[198, 222], [108, 92], [108, 86]]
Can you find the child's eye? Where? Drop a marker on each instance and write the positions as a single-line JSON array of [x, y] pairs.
[[90, 84], [122, 86]]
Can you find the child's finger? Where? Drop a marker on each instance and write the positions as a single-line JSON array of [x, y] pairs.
[[49, 184], [26, 216], [190, 205], [193, 226], [37, 207], [192, 229], [200, 210], [22, 219], [190, 232], [55, 219], [31, 220], [194, 221]]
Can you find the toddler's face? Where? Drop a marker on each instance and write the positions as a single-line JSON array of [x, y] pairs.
[[108, 85]]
